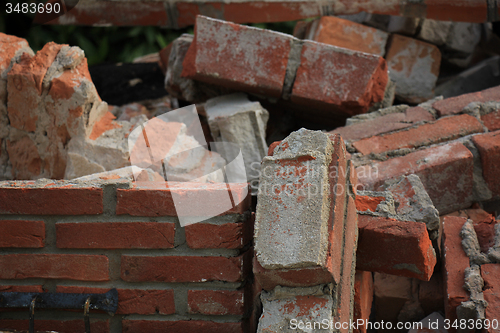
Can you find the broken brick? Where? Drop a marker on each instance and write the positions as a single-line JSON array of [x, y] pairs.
[[455, 105], [489, 148]]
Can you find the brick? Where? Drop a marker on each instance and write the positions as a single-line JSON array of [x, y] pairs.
[[391, 293], [222, 236], [59, 326], [133, 301], [105, 123], [51, 201], [55, 266], [366, 203], [24, 157], [350, 35], [11, 45], [208, 199], [395, 247], [255, 60], [430, 294], [181, 326], [489, 149], [182, 268], [445, 171], [22, 233], [384, 124], [21, 289], [445, 129], [414, 67], [216, 302], [270, 278], [491, 291], [334, 78], [455, 105], [455, 261], [126, 235], [491, 120], [363, 298]]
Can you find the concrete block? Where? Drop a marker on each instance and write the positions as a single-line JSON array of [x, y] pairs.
[[233, 118]]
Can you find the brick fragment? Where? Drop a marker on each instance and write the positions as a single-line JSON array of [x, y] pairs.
[[391, 293], [55, 266], [125, 235], [445, 171], [414, 66], [255, 60], [363, 298], [367, 203], [431, 294], [455, 261], [179, 326], [455, 105], [489, 148], [22, 233], [491, 276], [208, 199], [51, 201], [395, 247], [216, 302], [183, 268], [21, 289], [350, 35], [331, 77], [491, 120], [445, 129], [384, 124]]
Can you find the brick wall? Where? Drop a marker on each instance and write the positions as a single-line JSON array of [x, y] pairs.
[[68, 237]]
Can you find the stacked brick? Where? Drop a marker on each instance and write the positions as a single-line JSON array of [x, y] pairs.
[[306, 233], [63, 237]]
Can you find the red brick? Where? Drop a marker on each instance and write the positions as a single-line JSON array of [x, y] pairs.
[[21, 233], [414, 67], [59, 326], [391, 293], [350, 35], [363, 298], [445, 172], [455, 261], [395, 247], [491, 120], [489, 149], [366, 203], [24, 157], [132, 301], [345, 310], [191, 326], [238, 57], [468, 11], [215, 302], [270, 278], [21, 289], [444, 129], [54, 266], [125, 235], [491, 291], [10, 45], [455, 105], [271, 147], [206, 199], [182, 268], [334, 78], [221, 236], [384, 124], [104, 124], [51, 201], [430, 294]]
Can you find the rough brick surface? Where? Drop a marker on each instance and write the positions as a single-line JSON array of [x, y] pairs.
[[442, 130], [363, 298], [207, 199], [350, 35], [212, 236], [391, 293], [331, 77], [367, 203], [124, 235], [133, 301], [181, 326], [455, 261], [455, 105], [384, 124], [51, 201], [431, 294], [182, 269], [215, 302], [491, 120], [238, 57], [414, 66], [489, 149], [60, 326], [395, 247], [445, 171], [55, 266], [491, 291], [21, 233]]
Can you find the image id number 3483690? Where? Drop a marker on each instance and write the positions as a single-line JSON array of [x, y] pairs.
[[32, 8]]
